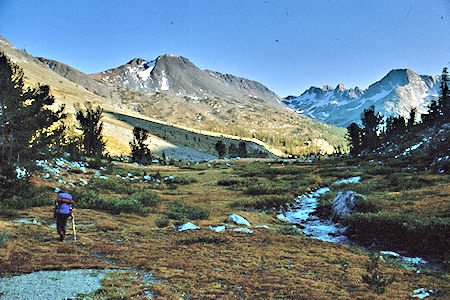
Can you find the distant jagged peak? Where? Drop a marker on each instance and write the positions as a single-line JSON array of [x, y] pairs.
[[327, 88], [359, 90], [340, 88]]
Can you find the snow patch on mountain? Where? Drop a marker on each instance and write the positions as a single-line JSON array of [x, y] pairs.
[[164, 83], [148, 67]]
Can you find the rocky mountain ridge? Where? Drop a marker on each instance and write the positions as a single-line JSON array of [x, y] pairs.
[[395, 94], [178, 76]]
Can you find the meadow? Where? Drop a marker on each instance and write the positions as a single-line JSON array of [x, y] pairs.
[[127, 220]]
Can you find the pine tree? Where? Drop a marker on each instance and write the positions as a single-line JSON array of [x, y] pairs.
[[28, 127], [371, 123], [354, 138], [395, 126], [221, 149], [433, 114], [92, 128], [242, 149], [233, 150], [139, 150], [444, 98], [412, 118]]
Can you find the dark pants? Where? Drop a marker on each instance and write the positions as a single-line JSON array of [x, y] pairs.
[[61, 222]]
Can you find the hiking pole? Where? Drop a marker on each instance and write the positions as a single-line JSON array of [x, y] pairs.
[[74, 231]]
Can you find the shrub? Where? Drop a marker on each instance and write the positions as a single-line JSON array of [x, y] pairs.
[[399, 182], [203, 239], [31, 196], [285, 170], [265, 202], [115, 185], [86, 198], [366, 205], [136, 203], [416, 234], [146, 198], [162, 221], [324, 204], [230, 182], [179, 180], [266, 188], [290, 230], [179, 211]]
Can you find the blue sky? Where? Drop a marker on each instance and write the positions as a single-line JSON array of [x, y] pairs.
[[286, 45]]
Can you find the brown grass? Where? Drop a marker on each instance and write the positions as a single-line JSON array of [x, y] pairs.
[[263, 265]]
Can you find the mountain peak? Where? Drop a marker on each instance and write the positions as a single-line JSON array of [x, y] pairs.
[[340, 87], [327, 87], [136, 62]]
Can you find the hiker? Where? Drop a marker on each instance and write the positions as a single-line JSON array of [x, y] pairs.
[[63, 209]]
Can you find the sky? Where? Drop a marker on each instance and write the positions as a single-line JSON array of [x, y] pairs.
[[288, 45]]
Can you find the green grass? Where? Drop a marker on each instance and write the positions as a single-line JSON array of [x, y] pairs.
[[265, 202], [181, 212], [415, 234]]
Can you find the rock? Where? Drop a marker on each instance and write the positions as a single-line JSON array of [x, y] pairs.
[[345, 203], [238, 220], [243, 230], [389, 253], [217, 228], [187, 226], [282, 218], [421, 293]]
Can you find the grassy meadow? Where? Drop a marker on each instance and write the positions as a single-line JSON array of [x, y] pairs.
[[128, 224]]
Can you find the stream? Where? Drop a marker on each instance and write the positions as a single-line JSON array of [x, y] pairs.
[[303, 215]]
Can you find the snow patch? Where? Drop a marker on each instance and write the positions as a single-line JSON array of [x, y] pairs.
[[164, 84]]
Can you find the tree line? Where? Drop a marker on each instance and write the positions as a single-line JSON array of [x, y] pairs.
[[376, 129]]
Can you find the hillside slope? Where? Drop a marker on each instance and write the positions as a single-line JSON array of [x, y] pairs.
[[228, 104]]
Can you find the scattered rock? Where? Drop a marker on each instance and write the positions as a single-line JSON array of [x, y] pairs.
[[282, 218], [389, 253], [422, 293], [243, 230], [217, 228], [187, 226], [238, 220]]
